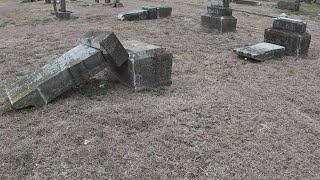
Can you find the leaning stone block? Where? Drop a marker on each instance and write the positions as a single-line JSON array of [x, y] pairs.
[[108, 43], [67, 71], [293, 25], [156, 12], [148, 66], [219, 23], [133, 15], [261, 51], [296, 44]]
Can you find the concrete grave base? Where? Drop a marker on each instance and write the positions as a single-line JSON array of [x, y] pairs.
[[148, 66], [294, 6], [63, 15], [261, 51], [296, 44], [219, 23]]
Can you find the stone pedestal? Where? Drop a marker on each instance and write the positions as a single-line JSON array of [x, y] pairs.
[[293, 5], [219, 17], [63, 15], [291, 34]]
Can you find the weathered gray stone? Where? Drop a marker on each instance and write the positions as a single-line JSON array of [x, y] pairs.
[[220, 3], [293, 25], [293, 5], [248, 2], [133, 15], [155, 12], [221, 11], [296, 44], [219, 23], [108, 43], [63, 15], [148, 66], [67, 71], [261, 51]]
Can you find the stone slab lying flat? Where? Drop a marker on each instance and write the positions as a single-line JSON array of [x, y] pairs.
[[72, 68], [296, 44], [148, 66], [293, 25], [261, 51], [108, 43], [248, 2], [133, 15]]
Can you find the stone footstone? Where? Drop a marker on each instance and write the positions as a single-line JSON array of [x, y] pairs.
[[156, 12], [133, 15], [249, 2], [261, 51], [71, 69], [293, 5], [63, 15], [108, 43], [219, 17], [291, 34], [219, 23], [148, 66]]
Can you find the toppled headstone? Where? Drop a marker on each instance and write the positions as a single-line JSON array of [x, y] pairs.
[[148, 66], [219, 17], [71, 69], [261, 51], [248, 2], [291, 34], [293, 5], [108, 43], [147, 12]]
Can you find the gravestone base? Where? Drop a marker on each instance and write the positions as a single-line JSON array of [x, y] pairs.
[[294, 6], [148, 66], [133, 15], [219, 23], [63, 15], [296, 44]]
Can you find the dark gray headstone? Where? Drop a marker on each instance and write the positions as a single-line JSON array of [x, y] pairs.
[[219, 23], [134, 15], [293, 25], [293, 5], [221, 11]]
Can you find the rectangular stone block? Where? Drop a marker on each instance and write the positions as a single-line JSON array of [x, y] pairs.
[[148, 66], [290, 5], [221, 11], [134, 15], [55, 78], [63, 15], [220, 3], [219, 23], [293, 25], [295, 44], [248, 2], [108, 43], [261, 51], [156, 12]]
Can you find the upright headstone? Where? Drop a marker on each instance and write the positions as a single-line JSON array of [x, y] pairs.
[[291, 34], [219, 17], [63, 13], [293, 5]]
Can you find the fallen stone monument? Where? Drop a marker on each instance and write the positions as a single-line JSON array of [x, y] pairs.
[[219, 17], [139, 66], [148, 66], [147, 12], [261, 51], [291, 34], [248, 2], [293, 5]]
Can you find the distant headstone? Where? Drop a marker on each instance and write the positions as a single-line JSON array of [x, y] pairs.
[[148, 66], [291, 34], [261, 51], [248, 2], [147, 12], [219, 17], [293, 5]]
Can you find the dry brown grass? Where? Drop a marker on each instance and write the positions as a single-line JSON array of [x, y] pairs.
[[222, 118]]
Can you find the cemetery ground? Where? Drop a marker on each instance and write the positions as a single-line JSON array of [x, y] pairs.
[[222, 118]]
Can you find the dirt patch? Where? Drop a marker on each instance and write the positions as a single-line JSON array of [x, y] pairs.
[[222, 118]]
